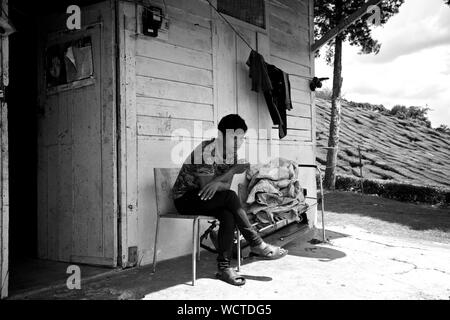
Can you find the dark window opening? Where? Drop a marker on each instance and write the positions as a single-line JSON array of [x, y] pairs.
[[250, 11]]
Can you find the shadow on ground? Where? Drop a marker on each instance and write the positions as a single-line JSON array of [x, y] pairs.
[[135, 283], [138, 282], [313, 248], [28, 274], [414, 216]]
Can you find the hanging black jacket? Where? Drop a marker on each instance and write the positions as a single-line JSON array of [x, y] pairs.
[[276, 87]]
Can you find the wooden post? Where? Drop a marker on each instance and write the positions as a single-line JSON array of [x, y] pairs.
[[360, 170], [4, 162], [335, 119], [322, 200]]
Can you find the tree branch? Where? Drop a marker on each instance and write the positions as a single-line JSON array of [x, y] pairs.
[[341, 26]]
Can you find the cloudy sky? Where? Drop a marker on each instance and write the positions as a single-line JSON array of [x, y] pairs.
[[413, 66]]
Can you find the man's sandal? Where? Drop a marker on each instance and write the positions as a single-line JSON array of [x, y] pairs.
[[229, 275], [269, 252]]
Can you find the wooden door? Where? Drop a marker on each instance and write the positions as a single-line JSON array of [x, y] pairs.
[[76, 152]]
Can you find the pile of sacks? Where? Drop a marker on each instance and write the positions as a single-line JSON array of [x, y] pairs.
[[274, 191]]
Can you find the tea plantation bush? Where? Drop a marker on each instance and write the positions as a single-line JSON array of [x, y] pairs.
[[395, 190]]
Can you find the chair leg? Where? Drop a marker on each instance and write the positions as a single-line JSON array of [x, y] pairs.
[[198, 239], [194, 249], [238, 250], [155, 247]]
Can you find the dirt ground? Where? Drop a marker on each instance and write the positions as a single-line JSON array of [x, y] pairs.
[[378, 249], [387, 217]]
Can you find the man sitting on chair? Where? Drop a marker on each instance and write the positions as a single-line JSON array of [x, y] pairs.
[[203, 188]]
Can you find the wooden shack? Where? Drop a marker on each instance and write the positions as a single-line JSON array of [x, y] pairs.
[[101, 133]]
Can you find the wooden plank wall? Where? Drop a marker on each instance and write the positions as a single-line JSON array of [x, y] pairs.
[[289, 23], [170, 85], [169, 82]]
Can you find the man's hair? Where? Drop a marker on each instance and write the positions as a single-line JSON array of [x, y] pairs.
[[232, 121]]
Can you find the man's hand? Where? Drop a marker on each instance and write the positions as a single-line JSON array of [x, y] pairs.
[[209, 190]]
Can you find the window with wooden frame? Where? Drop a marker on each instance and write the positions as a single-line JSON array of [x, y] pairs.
[[250, 11], [69, 65]]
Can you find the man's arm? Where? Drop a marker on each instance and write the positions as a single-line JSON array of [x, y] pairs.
[[209, 185], [227, 177]]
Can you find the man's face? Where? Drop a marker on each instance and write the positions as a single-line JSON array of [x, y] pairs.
[[234, 139]]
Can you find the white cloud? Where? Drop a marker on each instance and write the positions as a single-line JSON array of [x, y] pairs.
[[413, 66]]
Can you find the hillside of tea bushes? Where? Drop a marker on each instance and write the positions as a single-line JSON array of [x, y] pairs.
[[393, 149]]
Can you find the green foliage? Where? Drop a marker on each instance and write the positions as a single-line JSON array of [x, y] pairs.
[[419, 114], [399, 111], [325, 93], [394, 190], [443, 128], [416, 113], [328, 14], [367, 106]]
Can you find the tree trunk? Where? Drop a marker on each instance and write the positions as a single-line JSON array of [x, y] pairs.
[[333, 138]]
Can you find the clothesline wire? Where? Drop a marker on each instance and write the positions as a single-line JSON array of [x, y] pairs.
[[231, 26]]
